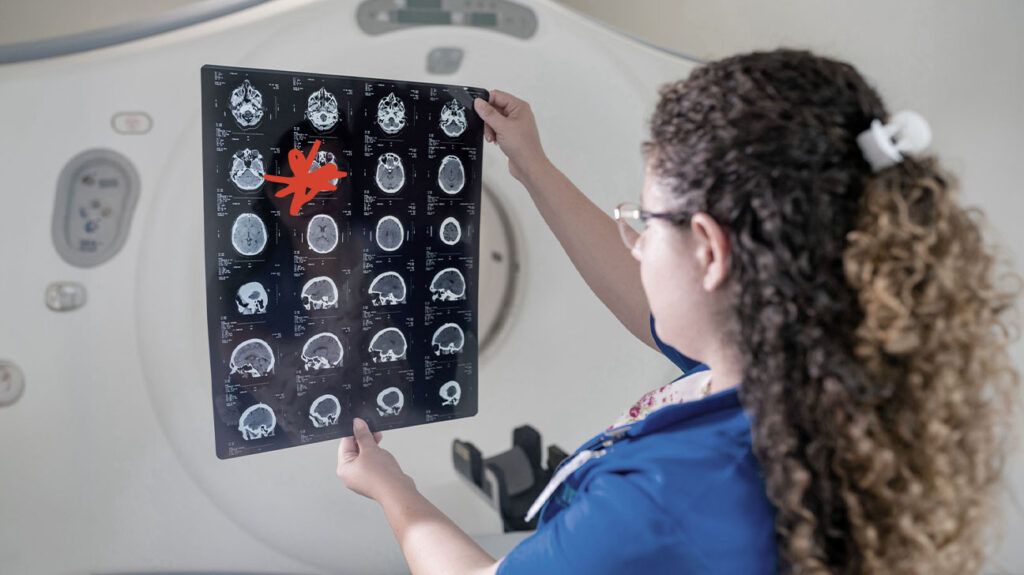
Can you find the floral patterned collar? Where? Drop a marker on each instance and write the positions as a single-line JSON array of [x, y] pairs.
[[686, 388]]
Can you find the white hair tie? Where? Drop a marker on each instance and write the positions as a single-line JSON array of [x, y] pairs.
[[884, 145]]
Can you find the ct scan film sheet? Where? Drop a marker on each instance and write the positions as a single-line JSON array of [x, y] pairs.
[[342, 223]]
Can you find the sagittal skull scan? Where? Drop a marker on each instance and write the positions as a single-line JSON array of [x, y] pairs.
[[322, 233], [248, 234], [451, 177], [257, 422], [247, 169], [246, 105], [451, 393], [390, 402], [322, 351], [391, 114], [251, 299], [325, 411], [322, 159], [388, 345], [451, 231], [387, 288], [448, 285], [390, 174], [453, 119], [448, 339], [252, 358], [320, 293], [390, 233], [322, 109]]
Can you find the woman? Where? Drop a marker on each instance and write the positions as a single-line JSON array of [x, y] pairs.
[[851, 318]]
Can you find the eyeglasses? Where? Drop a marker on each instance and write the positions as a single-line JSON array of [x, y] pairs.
[[632, 221]]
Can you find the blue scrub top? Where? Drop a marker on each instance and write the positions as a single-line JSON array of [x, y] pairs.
[[677, 492]]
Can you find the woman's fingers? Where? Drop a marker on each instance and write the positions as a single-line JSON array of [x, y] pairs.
[[503, 100], [378, 437], [491, 116], [488, 133]]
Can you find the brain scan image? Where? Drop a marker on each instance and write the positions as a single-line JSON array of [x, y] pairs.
[[252, 358], [248, 234], [322, 351], [246, 105], [453, 119], [388, 345], [251, 299], [448, 285], [322, 233], [387, 288], [257, 422], [320, 293], [451, 393], [451, 177], [322, 110], [390, 402], [390, 174], [323, 158], [390, 233], [247, 169], [325, 411], [451, 231], [448, 339], [391, 114]]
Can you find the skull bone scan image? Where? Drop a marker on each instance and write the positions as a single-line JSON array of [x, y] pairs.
[[341, 230]]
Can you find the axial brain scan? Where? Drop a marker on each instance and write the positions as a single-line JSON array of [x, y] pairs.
[[320, 293], [387, 288], [451, 177], [248, 234], [390, 174], [247, 169], [246, 105], [388, 345], [390, 402], [251, 299], [252, 358], [322, 233], [325, 411], [322, 159], [257, 422], [390, 233], [322, 110], [448, 339], [450, 392], [451, 231], [322, 351], [391, 114], [453, 119], [448, 285]]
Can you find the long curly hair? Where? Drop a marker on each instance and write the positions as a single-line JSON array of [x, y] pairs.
[[872, 315]]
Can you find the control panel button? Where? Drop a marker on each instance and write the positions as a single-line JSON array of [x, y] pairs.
[[12, 383], [131, 123], [65, 296]]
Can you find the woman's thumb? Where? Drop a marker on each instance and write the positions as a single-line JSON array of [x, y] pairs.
[[361, 432], [490, 115]]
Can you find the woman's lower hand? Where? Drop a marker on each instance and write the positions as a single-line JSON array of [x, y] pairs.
[[509, 122], [368, 469]]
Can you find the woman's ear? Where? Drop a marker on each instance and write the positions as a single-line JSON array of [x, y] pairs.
[[713, 250]]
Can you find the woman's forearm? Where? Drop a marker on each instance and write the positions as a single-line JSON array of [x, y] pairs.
[[431, 543], [591, 239]]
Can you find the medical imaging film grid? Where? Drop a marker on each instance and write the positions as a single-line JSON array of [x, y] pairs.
[[326, 304]]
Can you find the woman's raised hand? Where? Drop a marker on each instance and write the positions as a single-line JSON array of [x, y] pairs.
[[510, 123]]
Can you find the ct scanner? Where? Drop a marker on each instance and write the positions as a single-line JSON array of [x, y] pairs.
[[108, 453]]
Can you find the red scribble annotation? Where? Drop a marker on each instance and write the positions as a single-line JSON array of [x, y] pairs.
[[304, 185]]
